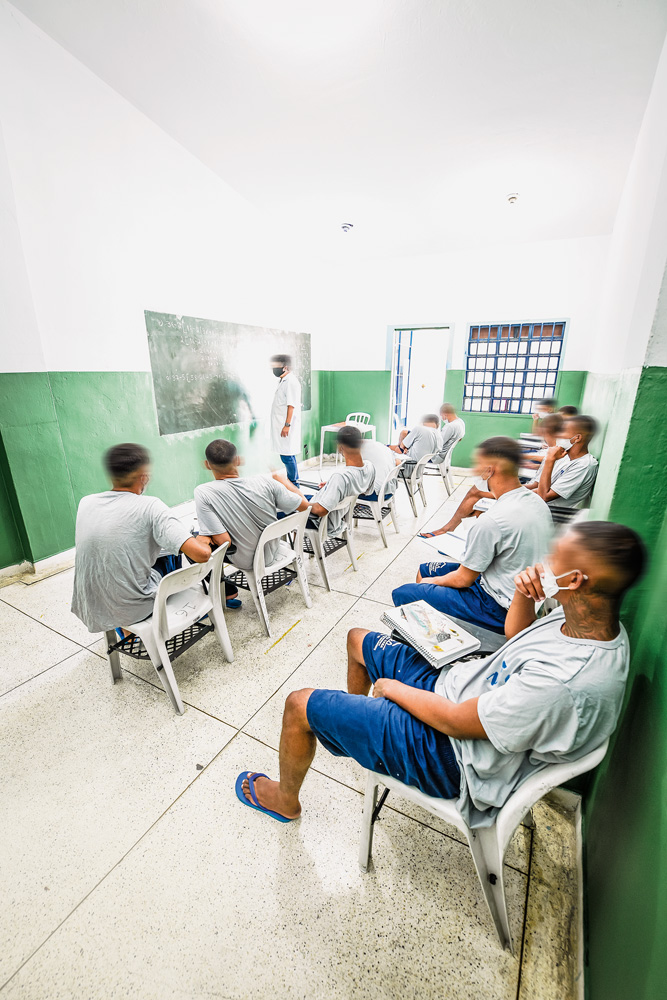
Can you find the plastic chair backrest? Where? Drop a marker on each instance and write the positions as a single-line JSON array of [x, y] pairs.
[[174, 583], [418, 470], [347, 504], [216, 585], [279, 529], [537, 785], [391, 477], [358, 418]]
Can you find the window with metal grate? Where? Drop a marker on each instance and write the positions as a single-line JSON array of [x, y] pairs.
[[510, 366]]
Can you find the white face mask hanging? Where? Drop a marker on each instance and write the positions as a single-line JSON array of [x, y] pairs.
[[564, 443], [548, 580]]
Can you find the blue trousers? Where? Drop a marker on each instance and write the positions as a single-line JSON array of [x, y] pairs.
[[470, 604], [289, 461]]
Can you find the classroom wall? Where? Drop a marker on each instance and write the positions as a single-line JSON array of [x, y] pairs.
[[625, 818]]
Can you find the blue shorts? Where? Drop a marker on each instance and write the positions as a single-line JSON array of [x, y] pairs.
[[377, 733], [374, 496], [470, 604]]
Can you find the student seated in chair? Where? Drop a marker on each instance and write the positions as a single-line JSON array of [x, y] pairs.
[[568, 411], [452, 430], [356, 478], [119, 535], [551, 432], [514, 533], [237, 509], [567, 474], [543, 407], [421, 440], [383, 460], [475, 730]]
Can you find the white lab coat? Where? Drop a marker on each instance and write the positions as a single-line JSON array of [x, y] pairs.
[[288, 393]]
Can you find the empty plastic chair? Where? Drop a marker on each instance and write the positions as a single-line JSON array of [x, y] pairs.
[[317, 542], [487, 844], [385, 505], [180, 602], [262, 579], [358, 418]]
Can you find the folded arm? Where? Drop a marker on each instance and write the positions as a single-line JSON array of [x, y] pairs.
[[459, 721], [459, 578]]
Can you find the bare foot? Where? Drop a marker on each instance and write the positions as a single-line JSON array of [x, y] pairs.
[[270, 796]]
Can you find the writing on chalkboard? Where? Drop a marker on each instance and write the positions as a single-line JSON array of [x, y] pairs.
[[209, 373]]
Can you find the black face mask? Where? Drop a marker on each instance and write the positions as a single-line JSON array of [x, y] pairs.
[[277, 372]]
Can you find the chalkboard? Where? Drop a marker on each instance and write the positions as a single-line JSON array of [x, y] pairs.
[[208, 373]]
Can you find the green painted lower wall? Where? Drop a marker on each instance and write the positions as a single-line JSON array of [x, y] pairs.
[[56, 426], [569, 389], [625, 819]]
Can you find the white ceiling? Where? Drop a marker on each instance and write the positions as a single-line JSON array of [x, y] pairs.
[[412, 119]]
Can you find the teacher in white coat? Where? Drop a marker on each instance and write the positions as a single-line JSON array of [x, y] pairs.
[[286, 415]]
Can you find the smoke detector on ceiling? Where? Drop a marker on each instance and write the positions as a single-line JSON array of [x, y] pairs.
[[513, 198], [346, 226]]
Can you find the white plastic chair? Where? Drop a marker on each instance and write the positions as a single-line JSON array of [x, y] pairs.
[[358, 418], [487, 844], [414, 481], [320, 545], [380, 508], [287, 558], [180, 601]]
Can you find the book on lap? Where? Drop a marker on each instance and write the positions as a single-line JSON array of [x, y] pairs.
[[434, 635]]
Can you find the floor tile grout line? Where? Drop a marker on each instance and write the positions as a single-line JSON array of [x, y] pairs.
[[45, 624], [525, 914], [120, 860], [44, 671]]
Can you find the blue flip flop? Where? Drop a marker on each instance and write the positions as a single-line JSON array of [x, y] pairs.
[[251, 777], [427, 534]]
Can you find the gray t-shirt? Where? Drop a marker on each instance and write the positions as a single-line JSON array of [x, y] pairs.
[[381, 458], [451, 432], [243, 508], [544, 698], [349, 482], [421, 441], [572, 479], [118, 538], [514, 533]]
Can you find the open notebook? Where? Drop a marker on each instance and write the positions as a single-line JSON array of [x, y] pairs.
[[431, 633], [453, 543]]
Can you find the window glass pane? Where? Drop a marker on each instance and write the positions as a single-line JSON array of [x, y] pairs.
[[558, 330], [523, 347], [500, 363], [530, 378], [551, 379], [545, 348], [532, 363], [505, 332], [553, 362], [512, 348], [478, 377], [502, 348], [491, 348], [526, 407], [491, 364], [485, 406], [472, 349], [525, 331], [548, 330], [542, 362]]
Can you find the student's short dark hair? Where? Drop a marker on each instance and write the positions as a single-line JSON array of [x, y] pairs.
[[619, 547], [447, 408], [284, 360], [553, 423], [221, 452], [586, 425], [349, 437], [568, 411], [431, 418], [501, 447], [124, 459], [547, 401]]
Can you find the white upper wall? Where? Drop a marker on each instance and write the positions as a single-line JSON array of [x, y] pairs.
[[116, 217], [629, 310], [518, 282]]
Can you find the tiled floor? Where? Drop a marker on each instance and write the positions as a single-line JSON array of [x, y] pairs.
[[129, 869]]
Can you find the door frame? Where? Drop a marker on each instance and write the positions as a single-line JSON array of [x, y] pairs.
[[390, 362]]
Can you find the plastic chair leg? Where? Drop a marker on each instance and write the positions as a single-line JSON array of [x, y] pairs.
[[412, 499], [166, 674], [258, 598], [302, 580], [421, 492], [321, 560], [383, 533], [217, 616], [350, 550], [394, 519], [113, 658], [366, 842], [489, 864]]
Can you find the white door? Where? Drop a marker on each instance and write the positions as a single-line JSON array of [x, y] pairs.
[[418, 378]]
